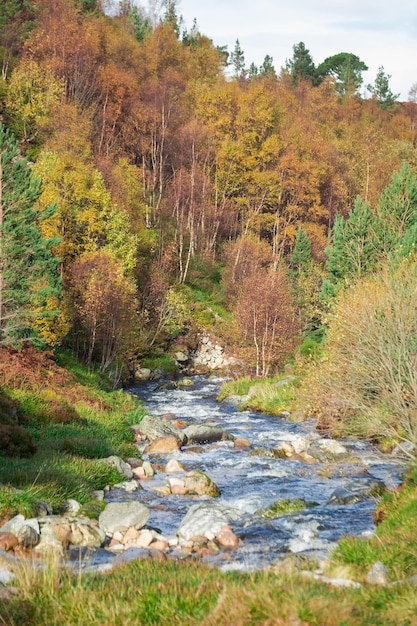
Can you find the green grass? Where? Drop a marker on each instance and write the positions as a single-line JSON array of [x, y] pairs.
[[72, 429], [265, 395]]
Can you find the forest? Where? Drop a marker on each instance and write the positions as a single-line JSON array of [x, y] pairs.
[[152, 185]]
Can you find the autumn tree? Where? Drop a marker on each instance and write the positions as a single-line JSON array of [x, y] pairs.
[[27, 268], [103, 300], [266, 319]]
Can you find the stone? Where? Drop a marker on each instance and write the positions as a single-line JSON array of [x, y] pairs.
[[131, 535], [6, 577], [13, 525], [98, 494], [185, 382], [138, 473], [70, 506], [27, 536], [163, 445], [242, 444], [123, 468], [134, 463], [378, 574], [74, 531], [206, 433], [181, 357], [144, 539], [159, 544], [226, 538], [173, 466], [206, 518], [129, 486], [142, 373], [43, 508], [7, 541], [148, 469], [201, 484], [49, 546], [288, 448], [269, 453], [121, 515], [358, 490], [153, 428], [325, 450]]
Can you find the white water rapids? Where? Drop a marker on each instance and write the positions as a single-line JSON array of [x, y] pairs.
[[251, 483]]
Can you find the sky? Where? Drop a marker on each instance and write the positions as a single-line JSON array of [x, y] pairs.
[[379, 32]]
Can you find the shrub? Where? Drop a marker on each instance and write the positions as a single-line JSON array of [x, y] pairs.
[[367, 380]]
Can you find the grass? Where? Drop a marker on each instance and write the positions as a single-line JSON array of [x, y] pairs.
[[265, 395], [73, 426], [164, 592]]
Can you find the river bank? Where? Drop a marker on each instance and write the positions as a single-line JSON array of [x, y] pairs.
[[192, 594]]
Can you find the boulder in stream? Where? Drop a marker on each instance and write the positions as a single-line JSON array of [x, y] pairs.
[[207, 519], [119, 516], [327, 450], [152, 428], [354, 491], [207, 433]]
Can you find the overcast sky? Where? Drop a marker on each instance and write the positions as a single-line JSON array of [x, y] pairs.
[[379, 32]]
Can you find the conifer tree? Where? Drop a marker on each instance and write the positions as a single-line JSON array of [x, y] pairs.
[[28, 270], [354, 251], [301, 255]]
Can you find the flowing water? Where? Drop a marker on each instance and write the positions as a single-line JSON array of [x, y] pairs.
[[251, 483]]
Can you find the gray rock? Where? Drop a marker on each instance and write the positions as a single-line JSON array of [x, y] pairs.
[[236, 401], [43, 508], [206, 433], [98, 494], [157, 374], [153, 428], [121, 515], [6, 577], [356, 491], [378, 574], [325, 450], [123, 468], [70, 506], [269, 453], [148, 469], [206, 518], [13, 525], [129, 486], [74, 531], [28, 537]]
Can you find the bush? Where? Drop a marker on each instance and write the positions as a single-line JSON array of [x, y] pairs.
[[366, 383]]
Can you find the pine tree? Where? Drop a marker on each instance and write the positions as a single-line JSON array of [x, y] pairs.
[[301, 255], [354, 251], [28, 270]]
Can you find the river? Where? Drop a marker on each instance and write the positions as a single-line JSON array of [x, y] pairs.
[[250, 484]]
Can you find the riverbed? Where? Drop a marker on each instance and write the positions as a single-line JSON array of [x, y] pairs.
[[249, 483]]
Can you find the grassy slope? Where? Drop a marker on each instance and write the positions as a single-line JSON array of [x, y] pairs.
[[162, 592], [75, 418]]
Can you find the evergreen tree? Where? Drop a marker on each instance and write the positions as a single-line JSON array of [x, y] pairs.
[[301, 255], [381, 91], [354, 250], [28, 270], [301, 66], [346, 69], [397, 211], [237, 60]]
